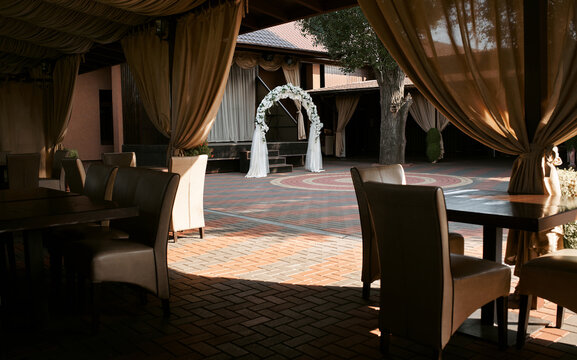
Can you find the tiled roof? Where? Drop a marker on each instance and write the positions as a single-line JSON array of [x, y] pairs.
[[285, 36]]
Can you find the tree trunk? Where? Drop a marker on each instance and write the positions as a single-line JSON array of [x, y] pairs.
[[394, 111]]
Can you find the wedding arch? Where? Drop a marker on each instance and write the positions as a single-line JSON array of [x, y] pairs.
[[259, 152]]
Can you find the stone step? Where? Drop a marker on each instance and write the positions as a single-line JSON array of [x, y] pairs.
[[279, 168], [277, 160]]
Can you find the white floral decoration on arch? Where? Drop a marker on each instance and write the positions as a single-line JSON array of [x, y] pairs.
[[259, 152], [292, 92]]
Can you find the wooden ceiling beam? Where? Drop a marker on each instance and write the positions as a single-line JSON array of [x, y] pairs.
[[314, 5], [266, 8]]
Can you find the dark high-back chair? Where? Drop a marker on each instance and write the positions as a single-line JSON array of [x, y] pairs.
[[427, 292], [120, 159], [74, 175], [142, 258]]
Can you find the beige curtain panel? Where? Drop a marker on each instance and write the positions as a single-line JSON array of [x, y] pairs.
[[203, 54], [56, 121], [154, 7], [346, 106], [292, 75], [148, 59], [22, 101], [475, 75], [62, 21]]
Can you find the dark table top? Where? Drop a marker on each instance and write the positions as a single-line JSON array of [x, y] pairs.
[[500, 209], [41, 208]]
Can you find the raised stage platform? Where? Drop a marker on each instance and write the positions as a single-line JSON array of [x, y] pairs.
[[226, 157]]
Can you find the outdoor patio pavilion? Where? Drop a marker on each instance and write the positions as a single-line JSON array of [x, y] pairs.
[[509, 83]]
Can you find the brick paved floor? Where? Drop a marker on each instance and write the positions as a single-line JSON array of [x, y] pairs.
[[277, 276]]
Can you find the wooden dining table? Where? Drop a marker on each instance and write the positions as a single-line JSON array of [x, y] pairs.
[[34, 210], [496, 210]]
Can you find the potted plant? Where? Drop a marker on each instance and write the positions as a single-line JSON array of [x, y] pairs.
[[188, 210]]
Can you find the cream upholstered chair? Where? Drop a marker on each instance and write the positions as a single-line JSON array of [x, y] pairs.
[[142, 258], [553, 277], [391, 174], [97, 185], [74, 174], [119, 159], [23, 170], [188, 211], [427, 292]]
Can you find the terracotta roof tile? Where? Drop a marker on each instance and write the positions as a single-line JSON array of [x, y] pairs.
[[285, 36]]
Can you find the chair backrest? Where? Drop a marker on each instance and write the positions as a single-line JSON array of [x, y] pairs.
[[188, 210], [74, 174], [119, 159], [392, 174], [153, 192], [23, 170], [99, 181], [59, 155], [3, 157], [416, 282]]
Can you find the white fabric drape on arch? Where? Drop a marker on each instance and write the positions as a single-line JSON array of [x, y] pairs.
[[346, 106], [314, 158], [258, 155], [427, 117], [235, 117]]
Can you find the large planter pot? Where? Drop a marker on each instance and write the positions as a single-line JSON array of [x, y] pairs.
[[188, 210]]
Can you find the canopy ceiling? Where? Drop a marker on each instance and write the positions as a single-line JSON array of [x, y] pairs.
[[32, 31]]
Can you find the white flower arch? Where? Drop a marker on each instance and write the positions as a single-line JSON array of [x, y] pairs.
[[259, 152]]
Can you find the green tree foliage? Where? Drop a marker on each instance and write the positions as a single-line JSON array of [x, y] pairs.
[[433, 144], [349, 38]]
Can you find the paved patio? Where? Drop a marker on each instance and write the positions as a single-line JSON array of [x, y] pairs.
[[276, 277]]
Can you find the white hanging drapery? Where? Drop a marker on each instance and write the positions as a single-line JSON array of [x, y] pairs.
[[258, 154], [235, 118], [427, 117]]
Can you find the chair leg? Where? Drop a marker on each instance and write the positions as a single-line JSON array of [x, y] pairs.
[[502, 320], [143, 296], [366, 290], [96, 298], [385, 342], [560, 315], [166, 307], [524, 310], [201, 232]]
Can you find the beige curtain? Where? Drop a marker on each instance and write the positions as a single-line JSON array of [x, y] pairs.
[[148, 59], [56, 121], [22, 101], [427, 117], [153, 7], [204, 48], [246, 60], [466, 57], [346, 106], [293, 76]]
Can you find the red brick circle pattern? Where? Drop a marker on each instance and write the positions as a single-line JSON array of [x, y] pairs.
[[343, 182]]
